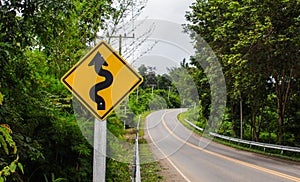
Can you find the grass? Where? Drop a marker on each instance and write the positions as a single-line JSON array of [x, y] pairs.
[[150, 168]]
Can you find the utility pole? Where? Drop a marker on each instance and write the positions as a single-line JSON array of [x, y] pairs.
[[120, 37], [152, 88]]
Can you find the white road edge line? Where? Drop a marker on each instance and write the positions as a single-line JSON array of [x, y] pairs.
[[169, 160]]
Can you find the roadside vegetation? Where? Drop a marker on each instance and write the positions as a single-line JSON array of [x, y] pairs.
[[259, 54]]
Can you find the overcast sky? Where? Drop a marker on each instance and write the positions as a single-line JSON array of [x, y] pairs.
[[173, 45], [171, 10]]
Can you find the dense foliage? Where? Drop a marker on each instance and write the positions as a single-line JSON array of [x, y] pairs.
[[257, 43], [39, 41]]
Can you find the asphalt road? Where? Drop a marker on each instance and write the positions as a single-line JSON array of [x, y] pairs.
[[197, 159]]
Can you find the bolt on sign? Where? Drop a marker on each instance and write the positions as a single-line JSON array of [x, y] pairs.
[[101, 80]]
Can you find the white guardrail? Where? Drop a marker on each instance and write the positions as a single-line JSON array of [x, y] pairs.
[[136, 169], [250, 143]]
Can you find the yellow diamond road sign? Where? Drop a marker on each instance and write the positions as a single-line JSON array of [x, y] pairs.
[[101, 80]]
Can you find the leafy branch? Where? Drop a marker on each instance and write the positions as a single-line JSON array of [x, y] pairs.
[[7, 143]]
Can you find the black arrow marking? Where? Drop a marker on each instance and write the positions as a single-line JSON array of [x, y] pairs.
[[98, 62]]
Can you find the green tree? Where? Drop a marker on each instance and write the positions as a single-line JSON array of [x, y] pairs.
[[257, 43], [164, 82]]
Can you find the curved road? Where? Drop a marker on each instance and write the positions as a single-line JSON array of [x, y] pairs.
[[197, 159]]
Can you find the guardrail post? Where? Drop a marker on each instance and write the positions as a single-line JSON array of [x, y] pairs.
[[133, 172]]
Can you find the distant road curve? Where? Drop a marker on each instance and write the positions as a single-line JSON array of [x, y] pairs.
[[181, 147]]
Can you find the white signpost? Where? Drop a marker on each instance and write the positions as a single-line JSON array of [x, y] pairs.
[[99, 161]]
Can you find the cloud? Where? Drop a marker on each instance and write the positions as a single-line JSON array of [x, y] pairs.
[[171, 10]]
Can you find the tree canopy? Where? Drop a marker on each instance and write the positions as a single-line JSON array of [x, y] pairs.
[[257, 43]]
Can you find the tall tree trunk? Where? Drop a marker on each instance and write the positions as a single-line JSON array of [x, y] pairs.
[[280, 120], [233, 128], [283, 89], [255, 130], [280, 136]]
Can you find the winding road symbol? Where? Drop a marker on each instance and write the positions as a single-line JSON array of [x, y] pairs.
[[98, 62]]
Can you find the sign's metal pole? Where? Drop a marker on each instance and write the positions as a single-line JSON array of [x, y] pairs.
[[99, 164]]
